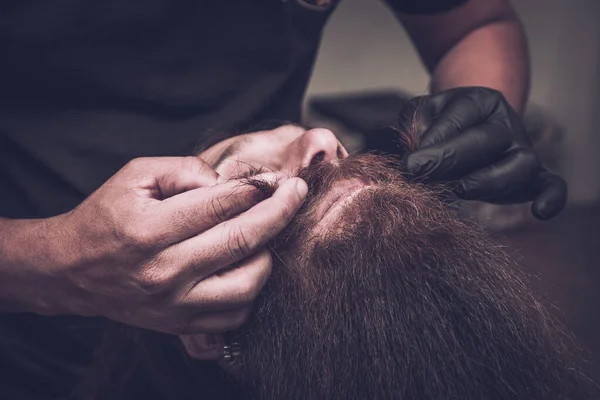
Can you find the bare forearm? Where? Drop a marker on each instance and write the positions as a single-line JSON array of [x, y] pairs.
[[494, 56]]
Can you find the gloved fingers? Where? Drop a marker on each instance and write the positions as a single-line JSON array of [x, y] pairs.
[[552, 197], [465, 153], [511, 180], [460, 114]]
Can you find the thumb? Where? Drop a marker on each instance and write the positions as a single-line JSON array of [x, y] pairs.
[[552, 197]]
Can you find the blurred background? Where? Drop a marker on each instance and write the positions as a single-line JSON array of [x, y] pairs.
[[366, 54]]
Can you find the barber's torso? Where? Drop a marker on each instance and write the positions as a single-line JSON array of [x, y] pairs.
[[85, 86]]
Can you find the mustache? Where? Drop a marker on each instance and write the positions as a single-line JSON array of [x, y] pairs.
[[320, 175], [383, 171]]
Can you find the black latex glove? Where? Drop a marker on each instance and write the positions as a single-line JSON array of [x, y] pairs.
[[472, 137]]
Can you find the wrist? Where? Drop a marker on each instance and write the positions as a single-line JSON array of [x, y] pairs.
[[32, 259]]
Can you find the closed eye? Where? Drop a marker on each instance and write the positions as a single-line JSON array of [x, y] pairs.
[[251, 171]]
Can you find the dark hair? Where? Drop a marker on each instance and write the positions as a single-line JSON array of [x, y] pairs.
[[423, 249]]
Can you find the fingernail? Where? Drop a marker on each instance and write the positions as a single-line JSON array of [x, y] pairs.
[[301, 188]]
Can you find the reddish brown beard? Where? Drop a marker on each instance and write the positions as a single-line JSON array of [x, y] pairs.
[[402, 300]]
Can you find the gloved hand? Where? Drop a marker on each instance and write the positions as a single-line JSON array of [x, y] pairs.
[[471, 136]]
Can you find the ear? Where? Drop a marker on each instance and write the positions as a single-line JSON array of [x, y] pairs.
[[203, 347]]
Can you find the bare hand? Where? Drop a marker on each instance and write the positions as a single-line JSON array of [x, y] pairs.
[[157, 247]]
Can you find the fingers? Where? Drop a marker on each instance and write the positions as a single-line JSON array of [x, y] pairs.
[[237, 238], [506, 181], [515, 180], [219, 322], [552, 197], [234, 288], [193, 173], [473, 149], [458, 115], [223, 301], [168, 176], [193, 212]]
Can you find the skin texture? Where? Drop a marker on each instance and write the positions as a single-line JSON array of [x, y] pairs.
[[154, 247]]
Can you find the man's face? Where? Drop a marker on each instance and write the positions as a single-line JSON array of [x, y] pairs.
[[291, 150], [378, 291], [284, 150]]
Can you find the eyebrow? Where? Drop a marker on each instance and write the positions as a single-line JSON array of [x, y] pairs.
[[230, 150]]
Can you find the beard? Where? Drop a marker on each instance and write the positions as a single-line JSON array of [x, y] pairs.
[[395, 299]]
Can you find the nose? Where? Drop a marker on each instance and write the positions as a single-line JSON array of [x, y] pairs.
[[320, 145]]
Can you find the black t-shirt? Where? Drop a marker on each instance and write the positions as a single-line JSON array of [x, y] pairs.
[[85, 86]]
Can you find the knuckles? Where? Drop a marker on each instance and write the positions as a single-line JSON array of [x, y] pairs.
[[156, 282], [483, 94], [488, 92], [155, 285], [239, 244], [136, 164], [138, 235], [218, 209]]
